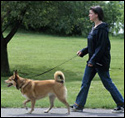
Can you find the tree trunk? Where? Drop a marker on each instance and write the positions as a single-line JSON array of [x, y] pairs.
[[5, 70]]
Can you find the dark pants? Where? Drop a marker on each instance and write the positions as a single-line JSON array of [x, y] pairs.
[[107, 82]]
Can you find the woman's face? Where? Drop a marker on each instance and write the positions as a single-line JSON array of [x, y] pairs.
[[92, 15]]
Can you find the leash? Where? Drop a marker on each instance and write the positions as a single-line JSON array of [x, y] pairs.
[[55, 67]]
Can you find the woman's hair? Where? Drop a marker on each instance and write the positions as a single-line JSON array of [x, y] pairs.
[[98, 10]]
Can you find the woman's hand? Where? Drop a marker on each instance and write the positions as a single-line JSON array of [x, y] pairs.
[[90, 65], [79, 53]]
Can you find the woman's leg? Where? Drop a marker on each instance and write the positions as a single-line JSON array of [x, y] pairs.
[[87, 78], [109, 85]]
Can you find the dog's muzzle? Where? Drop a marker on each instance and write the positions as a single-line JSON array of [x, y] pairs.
[[9, 85]]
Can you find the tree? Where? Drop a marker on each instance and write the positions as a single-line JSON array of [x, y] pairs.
[[16, 20], [15, 13], [71, 17], [114, 15]]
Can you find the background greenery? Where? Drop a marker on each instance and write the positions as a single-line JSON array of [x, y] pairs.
[[34, 53], [60, 17]]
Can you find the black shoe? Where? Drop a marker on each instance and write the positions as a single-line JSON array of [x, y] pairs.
[[76, 109], [118, 110]]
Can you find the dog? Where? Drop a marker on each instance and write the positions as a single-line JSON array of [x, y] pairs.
[[38, 89]]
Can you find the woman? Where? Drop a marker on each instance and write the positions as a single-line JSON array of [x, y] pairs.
[[98, 50]]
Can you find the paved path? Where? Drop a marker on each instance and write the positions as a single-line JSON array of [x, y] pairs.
[[58, 112]]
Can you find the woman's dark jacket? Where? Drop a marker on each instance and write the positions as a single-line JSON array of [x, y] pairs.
[[98, 47]]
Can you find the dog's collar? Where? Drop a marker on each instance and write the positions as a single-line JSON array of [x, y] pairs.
[[21, 86], [24, 85]]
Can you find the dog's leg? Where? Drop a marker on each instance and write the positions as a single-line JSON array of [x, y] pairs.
[[51, 98], [32, 105], [24, 103], [63, 100]]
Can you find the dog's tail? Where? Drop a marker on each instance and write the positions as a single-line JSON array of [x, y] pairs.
[[59, 77]]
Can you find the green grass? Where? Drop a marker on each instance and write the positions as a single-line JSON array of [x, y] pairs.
[[33, 54]]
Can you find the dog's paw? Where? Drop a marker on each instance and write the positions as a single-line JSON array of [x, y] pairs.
[[46, 111], [68, 113], [29, 112]]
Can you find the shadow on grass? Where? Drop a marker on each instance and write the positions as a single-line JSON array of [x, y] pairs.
[[26, 71]]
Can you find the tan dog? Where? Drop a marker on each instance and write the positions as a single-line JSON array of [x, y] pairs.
[[36, 89]]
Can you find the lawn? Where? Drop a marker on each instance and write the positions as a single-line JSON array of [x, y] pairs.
[[34, 53]]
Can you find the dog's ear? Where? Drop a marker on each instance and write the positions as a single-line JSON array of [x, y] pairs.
[[16, 79], [15, 73]]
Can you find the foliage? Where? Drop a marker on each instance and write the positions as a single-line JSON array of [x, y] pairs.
[[61, 17], [115, 15]]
